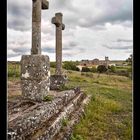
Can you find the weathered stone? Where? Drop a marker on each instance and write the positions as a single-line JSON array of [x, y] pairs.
[[36, 24], [57, 20], [45, 4], [35, 76], [56, 81], [35, 68], [42, 120]]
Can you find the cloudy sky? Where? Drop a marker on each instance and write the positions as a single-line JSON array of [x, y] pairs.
[[93, 29]]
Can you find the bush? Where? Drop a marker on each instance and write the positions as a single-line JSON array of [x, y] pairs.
[[85, 69], [70, 66], [112, 68], [101, 68]]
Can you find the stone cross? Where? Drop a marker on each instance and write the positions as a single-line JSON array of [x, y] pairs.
[[57, 20], [35, 68], [36, 24]]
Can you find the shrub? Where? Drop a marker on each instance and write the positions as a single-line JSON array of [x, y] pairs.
[[85, 69], [69, 65], [101, 68], [112, 68]]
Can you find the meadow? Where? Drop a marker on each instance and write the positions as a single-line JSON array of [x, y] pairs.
[[108, 116], [109, 113]]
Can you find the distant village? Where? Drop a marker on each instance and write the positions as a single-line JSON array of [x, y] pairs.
[[96, 62]]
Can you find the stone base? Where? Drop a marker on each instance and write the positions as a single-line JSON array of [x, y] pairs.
[[56, 81], [35, 76], [44, 121]]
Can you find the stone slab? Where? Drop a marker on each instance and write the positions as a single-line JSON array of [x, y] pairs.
[[27, 123]]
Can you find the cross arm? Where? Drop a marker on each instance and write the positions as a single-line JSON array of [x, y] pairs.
[[56, 21], [45, 4], [63, 26]]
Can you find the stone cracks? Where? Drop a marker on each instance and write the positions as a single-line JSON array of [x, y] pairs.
[[38, 121]]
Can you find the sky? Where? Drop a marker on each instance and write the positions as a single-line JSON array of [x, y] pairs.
[[93, 29]]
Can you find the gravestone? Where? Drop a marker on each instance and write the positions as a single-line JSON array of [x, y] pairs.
[[58, 79], [35, 68]]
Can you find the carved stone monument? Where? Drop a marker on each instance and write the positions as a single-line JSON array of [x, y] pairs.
[[58, 79], [57, 20], [33, 117], [35, 68]]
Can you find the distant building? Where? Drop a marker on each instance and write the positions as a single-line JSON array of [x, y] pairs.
[[95, 62]]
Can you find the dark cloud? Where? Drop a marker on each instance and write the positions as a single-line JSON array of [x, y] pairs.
[[48, 50], [13, 55], [68, 54], [21, 50], [92, 15], [124, 40], [111, 13], [19, 15], [118, 47], [73, 44]]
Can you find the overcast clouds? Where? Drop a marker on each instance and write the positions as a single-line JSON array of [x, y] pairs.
[[94, 29]]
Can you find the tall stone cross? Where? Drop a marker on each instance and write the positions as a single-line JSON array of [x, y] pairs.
[[36, 24], [57, 20], [35, 68]]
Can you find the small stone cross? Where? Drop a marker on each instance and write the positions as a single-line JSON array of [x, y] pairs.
[[57, 20]]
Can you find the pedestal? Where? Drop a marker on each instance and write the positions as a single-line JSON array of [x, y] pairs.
[[56, 81], [35, 76]]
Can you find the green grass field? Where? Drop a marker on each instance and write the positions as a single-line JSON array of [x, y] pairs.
[[109, 113]]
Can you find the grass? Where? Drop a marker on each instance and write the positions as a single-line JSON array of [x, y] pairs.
[[64, 122], [48, 98], [13, 72], [109, 113]]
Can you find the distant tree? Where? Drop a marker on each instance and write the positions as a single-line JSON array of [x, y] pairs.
[[85, 69], [129, 59], [77, 62], [69, 65], [101, 68]]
